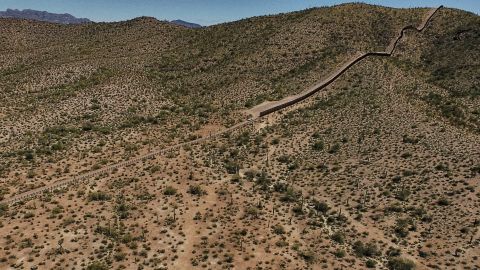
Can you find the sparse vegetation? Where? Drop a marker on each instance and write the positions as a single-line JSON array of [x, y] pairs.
[[378, 170]]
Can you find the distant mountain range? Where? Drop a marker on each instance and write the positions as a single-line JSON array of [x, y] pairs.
[[66, 18], [42, 16], [186, 24]]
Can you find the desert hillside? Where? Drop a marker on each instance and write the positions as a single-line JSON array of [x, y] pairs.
[[380, 169]]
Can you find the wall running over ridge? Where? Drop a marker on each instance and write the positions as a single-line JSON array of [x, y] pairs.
[[388, 52]]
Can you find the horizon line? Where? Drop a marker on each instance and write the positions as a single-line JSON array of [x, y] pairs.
[[227, 21]]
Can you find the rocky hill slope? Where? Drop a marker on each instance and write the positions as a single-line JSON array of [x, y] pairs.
[[378, 170]]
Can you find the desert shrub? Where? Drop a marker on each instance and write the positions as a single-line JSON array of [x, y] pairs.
[[423, 254], [109, 232], [339, 253], [402, 227], [284, 159], [119, 256], [29, 155], [57, 146], [280, 187], [293, 166], [338, 237], [297, 209], [318, 146], [441, 167], [281, 243], [307, 255], [334, 149], [232, 167], [121, 209], [394, 208], [243, 138], [368, 250], [443, 202], [397, 263], [26, 243], [393, 252], [321, 206], [99, 196], [250, 174], [169, 191], [87, 126], [145, 196], [403, 194], [407, 173], [290, 195], [252, 211], [130, 147], [154, 169], [370, 263], [56, 210], [263, 180], [278, 229], [96, 265], [196, 190], [228, 258], [475, 170], [67, 221], [397, 179], [410, 140], [3, 209]]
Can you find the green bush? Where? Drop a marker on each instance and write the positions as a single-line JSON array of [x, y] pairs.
[[318, 146], [370, 264], [321, 206], [290, 195], [307, 255], [402, 227], [196, 190], [443, 202], [410, 140], [403, 194], [338, 237], [368, 250], [232, 167], [122, 209], [263, 180], [252, 211], [98, 196], [169, 191], [475, 170], [29, 155], [3, 209], [278, 229], [340, 253], [119, 256], [334, 149], [96, 265], [397, 263]]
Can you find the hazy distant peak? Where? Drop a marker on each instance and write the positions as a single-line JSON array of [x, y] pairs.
[[186, 24], [45, 16]]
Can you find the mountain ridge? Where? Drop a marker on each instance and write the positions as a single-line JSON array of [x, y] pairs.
[[45, 16], [66, 18]]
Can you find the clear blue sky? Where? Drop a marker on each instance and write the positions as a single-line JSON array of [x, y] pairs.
[[205, 12]]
